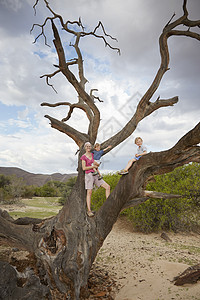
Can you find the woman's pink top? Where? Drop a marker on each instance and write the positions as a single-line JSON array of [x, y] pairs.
[[88, 162]]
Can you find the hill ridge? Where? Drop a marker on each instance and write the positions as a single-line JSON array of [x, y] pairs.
[[35, 179]]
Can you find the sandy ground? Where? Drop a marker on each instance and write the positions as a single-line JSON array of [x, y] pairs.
[[145, 265]]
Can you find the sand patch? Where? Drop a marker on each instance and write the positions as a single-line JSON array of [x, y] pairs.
[[145, 265]]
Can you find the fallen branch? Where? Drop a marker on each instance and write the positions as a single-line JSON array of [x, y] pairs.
[[190, 275]]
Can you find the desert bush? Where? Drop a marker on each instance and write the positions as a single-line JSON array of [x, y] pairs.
[[29, 191], [98, 195], [4, 181], [5, 198], [163, 214], [12, 189], [66, 190], [184, 181], [171, 214], [49, 189]]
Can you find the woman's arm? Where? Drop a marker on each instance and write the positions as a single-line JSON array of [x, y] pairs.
[[84, 166]]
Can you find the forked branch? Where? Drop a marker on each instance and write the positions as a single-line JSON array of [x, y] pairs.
[[76, 28], [145, 106]]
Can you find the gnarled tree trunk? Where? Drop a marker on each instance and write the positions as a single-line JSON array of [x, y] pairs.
[[64, 247]]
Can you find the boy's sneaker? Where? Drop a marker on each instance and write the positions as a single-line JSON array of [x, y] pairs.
[[90, 213], [95, 173], [100, 177], [123, 172]]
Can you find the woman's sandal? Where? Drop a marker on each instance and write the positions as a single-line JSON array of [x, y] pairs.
[[90, 214]]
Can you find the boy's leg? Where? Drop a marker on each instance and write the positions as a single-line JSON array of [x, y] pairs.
[[95, 168], [129, 164]]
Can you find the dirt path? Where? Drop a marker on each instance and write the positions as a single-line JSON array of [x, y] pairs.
[[145, 265]]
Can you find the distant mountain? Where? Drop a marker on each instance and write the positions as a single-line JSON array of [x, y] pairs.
[[35, 179]]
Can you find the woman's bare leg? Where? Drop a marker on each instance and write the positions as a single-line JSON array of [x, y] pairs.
[[107, 188], [88, 199]]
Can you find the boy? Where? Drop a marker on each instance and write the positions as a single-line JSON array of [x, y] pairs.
[[97, 156], [141, 150]]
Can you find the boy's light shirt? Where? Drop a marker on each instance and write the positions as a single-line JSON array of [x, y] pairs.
[[141, 149]]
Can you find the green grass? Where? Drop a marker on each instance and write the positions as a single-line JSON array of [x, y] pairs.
[[37, 207], [43, 202]]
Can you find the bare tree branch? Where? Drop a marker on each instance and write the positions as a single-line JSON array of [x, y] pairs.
[[93, 96], [15, 234], [94, 123], [193, 35], [160, 103], [145, 107], [81, 106], [147, 195], [159, 195], [79, 137], [48, 76], [170, 20], [64, 66]]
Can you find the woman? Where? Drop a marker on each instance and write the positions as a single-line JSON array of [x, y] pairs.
[[90, 179]]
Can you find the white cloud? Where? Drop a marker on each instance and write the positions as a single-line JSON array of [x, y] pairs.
[[14, 5], [120, 80]]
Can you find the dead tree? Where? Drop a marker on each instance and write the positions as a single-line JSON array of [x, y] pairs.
[[65, 246]]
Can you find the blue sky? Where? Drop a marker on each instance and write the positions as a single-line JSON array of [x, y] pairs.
[[13, 118], [26, 139]]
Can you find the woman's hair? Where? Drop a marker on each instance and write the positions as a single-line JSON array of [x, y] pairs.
[[87, 144], [138, 138]]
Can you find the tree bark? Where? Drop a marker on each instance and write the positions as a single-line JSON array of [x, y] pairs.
[[190, 275], [65, 246]]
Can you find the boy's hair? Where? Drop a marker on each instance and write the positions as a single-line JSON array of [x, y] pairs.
[[96, 145], [138, 138]]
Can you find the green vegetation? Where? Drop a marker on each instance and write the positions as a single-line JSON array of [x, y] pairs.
[[37, 207], [98, 195], [164, 214], [12, 189], [171, 214], [153, 215], [66, 191], [50, 189]]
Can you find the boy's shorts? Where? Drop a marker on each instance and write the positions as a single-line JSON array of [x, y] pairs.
[[98, 161], [90, 180], [137, 158]]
